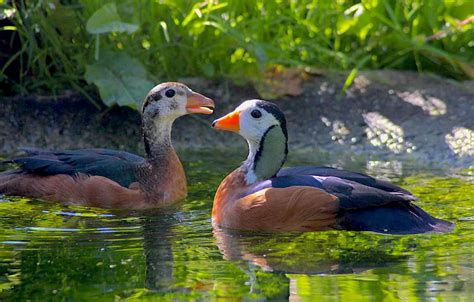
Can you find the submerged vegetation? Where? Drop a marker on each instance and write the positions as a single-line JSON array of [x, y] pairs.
[[123, 46]]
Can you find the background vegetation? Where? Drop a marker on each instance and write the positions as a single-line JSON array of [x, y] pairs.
[[124, 46]]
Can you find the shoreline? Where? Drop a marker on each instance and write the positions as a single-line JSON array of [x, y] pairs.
[[384, 114]]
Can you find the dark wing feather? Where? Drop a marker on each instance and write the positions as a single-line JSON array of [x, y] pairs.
[[395, 218], [343, 174], [118, 166], [351, 194], [365, 203]]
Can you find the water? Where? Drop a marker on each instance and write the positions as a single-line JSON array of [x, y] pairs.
[[77, 253]]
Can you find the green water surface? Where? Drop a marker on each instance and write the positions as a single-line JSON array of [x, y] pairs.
[[55, 252]]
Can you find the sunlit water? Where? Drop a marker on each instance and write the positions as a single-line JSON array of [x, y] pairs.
[[77, 253]]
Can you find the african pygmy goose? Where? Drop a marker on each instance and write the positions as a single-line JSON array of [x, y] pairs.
[[260, 195], [109, 178]]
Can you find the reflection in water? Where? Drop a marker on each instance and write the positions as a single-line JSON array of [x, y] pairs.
[[342, 265], [385, 169], [235, 248], [85, 254], [158, 252], [265, 251], [10, 268]]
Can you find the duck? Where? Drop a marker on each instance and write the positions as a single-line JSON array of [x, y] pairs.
[[260, 195], [111, 178]]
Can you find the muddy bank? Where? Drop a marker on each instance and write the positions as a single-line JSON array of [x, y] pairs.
[[385, 114]]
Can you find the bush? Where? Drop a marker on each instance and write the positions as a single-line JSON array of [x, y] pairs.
[[63, 43]]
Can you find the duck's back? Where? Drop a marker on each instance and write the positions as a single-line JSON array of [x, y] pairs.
[[87, 176], [119, 166]]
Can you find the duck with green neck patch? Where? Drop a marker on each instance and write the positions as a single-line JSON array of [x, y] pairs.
[[260, 195]]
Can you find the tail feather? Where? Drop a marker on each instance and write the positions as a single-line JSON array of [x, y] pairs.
[[398, 219], [443, 226]]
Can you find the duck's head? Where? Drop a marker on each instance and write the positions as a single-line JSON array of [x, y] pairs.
[[163, 104], [263, 125], [252, 120], [171, 100]]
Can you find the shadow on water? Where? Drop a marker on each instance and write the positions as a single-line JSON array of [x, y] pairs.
[[77, 253]]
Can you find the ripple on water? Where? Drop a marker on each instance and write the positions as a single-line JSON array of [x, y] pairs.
[[78, 253]]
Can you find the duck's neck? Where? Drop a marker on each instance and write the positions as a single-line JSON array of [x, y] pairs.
[[157, 140], [266, 156], [164, 176]]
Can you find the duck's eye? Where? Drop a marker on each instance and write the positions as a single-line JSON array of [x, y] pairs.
[[170, 93], [256, 113]]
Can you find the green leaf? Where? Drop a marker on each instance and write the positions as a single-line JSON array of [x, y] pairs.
[[350, 78], [344, 24], [106, 19], [164, 26], [120, 78]]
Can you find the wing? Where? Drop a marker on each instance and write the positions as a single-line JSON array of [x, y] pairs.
[[118, 166], [343, 174], [351, 194], [365, 203]]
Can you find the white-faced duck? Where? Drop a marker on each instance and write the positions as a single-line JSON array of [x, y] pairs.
[[260, 195]]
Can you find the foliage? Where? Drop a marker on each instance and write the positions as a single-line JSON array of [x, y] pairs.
[[123, 86], [237, 38], [107, 20]]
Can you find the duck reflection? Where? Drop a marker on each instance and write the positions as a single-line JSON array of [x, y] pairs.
[[313, 253], [157, 250]]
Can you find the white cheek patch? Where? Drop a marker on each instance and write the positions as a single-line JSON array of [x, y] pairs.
[[162, 108], [172, 108], [179, 104], [254, 128], [267, 120]]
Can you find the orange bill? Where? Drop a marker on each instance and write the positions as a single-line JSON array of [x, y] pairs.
[[197, 103], [229, 122]]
